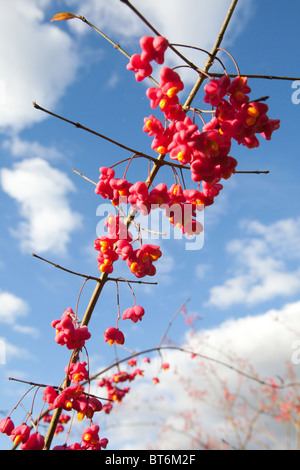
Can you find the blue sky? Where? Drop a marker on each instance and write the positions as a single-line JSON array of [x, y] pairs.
[[248, 267]]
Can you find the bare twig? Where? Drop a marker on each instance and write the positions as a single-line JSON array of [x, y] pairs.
[[265, 77], [80, 126], [83, 176], [172, 321], [139, 14], [67, 270]]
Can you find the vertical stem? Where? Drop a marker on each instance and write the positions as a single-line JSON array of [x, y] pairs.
[[156, 166]]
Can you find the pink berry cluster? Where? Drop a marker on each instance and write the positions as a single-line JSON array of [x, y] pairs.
[[63, 419], [70, 334], [22, 435]]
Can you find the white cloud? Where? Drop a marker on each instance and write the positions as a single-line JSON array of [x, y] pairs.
[[260, 270], [188, 404], [38, 61], [41, 193]]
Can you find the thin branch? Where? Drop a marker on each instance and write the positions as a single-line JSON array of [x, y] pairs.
[[255, 417], [232, 58], [154, 160], [201, 356], [87, 276], [201, 50], [184, 167]]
